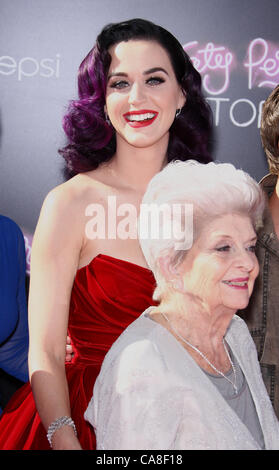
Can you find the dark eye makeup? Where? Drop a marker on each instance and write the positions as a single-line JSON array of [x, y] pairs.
[[120, 84]]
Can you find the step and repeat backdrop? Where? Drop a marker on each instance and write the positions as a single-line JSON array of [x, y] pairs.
[[233, 44]]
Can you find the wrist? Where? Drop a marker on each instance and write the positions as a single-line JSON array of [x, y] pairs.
[[63, 426], [65, 439]]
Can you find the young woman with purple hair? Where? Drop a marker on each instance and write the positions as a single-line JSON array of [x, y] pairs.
[[140, 106]]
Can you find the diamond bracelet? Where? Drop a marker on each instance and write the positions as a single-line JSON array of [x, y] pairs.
[[57, 424]]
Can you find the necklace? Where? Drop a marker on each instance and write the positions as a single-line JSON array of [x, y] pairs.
[[233, 383]]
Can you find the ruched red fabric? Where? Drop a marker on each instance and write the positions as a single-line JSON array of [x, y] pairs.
[[107, 295]]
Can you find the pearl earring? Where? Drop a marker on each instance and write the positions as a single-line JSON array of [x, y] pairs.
[[176, 284]]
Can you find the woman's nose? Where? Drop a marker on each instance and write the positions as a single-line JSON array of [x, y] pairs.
[[137, 94], [247, 260]]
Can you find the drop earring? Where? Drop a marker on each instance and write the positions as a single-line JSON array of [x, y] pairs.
[[107, 119], [177, 113]]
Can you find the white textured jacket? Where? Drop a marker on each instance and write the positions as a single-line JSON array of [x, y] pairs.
[[150, 394]]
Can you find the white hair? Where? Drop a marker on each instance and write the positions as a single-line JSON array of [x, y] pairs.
[[212, 190]]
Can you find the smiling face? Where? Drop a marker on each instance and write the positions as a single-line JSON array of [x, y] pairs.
[[142, 93], [221, 267]]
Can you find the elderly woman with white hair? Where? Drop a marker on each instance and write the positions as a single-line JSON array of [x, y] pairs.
[[185, 374]]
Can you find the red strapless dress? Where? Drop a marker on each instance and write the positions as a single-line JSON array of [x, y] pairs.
[[107, 296]]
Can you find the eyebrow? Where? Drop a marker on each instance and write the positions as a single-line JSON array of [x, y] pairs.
[[147, 72], [224, 236], [155, 69]]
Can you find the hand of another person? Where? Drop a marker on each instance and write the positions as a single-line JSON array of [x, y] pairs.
[[69, 350]]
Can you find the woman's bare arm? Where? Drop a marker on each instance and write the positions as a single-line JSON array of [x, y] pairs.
[[55, 255]]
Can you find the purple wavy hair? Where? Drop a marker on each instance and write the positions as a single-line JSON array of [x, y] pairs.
[[91, 140]]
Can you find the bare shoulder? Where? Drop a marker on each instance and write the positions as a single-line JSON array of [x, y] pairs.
[[64, 207], [72, 195], [68, 193]]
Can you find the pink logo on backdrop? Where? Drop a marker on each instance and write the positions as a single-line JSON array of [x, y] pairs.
[[216, 62], [262, 63]]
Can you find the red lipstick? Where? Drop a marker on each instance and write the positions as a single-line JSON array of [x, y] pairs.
[[141, 118]]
